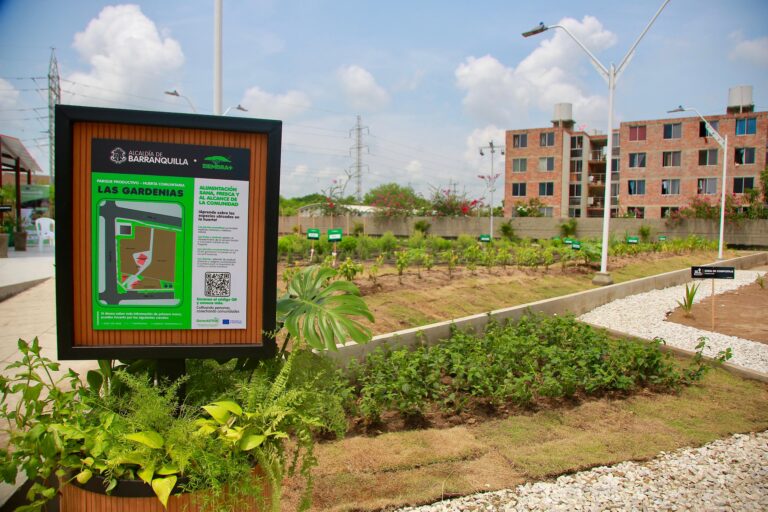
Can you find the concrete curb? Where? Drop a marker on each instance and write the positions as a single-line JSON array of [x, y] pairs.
[[8, 291], [575, 303]]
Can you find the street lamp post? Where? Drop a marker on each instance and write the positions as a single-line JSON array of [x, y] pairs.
[[490, 179], [178, 95], [237, 107], [610, 75], [723, 141]]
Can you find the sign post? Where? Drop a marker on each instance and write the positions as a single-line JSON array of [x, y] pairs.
[[312, 234], [334, 235], [713, 273], [168, 230]]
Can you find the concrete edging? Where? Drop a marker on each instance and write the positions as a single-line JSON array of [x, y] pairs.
[[575, 303], [6, 292]]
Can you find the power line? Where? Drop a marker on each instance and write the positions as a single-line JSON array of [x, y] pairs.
[[358, 149]]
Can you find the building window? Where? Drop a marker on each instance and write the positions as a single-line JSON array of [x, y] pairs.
[[707, 157], [520, 140], [547, 188], [703, 128], [671, 159], [746, 126], [636, 160], [577, 146], [547, 139], [673, 130], [519, 164], [547, 163], [745, 156], [667, 211], [574, 212], [706, 186], [743, 184], [546, 211], [574, 190], [615, 189], [614, 165], [615, 140], [637, 212], [670, 187], [577, 166], [518, 189], [636, 187], [637, 133]]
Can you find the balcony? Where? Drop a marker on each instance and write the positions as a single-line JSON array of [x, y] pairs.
[[597, 155], [574, 177], [574, 201]]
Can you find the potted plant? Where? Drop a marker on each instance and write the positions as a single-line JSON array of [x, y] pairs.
[[5, 237], [116, 433], [20, 235]]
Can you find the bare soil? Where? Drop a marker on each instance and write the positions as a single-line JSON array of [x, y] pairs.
[[741, 312]]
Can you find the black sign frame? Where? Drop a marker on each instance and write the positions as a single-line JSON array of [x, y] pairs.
[[67, 116], [705, 272]]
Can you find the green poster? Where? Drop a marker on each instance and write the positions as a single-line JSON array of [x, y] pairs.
[[169, 236]]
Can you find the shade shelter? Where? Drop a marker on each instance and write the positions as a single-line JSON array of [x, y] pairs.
[[16, 160]]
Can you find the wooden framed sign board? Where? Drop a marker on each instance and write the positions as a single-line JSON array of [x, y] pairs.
[[166, 234]]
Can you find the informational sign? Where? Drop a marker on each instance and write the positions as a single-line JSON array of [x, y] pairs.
[[632, 240], [567, 241], [5, 207], [485, 238], [170, 230], [166, 234], [662, 238], [575, 245], [713, 272], [313, 234], [334, 235]]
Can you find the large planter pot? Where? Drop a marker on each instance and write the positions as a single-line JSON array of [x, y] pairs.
[[20, 240], [4, 245], [136, 496]]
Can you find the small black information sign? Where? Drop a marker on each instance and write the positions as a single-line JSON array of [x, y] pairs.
[[713, 272], [5, 207]]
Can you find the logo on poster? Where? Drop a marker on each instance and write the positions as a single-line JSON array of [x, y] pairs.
[[118, 155]]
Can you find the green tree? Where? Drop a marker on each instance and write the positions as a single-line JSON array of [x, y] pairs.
[[394, 200]]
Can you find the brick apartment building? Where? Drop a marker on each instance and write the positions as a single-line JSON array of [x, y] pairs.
[[657, 165]]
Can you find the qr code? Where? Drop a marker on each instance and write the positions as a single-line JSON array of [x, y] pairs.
[[218, 284]]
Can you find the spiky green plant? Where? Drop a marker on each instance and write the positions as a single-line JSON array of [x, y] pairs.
[[687, 303]]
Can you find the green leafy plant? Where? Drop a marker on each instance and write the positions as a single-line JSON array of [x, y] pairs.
[[422, 226], [507, 230], [569, 227], [687, 303], [451, 260], [349, 269], [402, 261], [373, 270], [760, 280], [644, 231]]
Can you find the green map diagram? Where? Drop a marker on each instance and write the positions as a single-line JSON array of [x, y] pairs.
[[139, 247]]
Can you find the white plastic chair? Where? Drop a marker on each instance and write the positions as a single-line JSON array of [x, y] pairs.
[[45, 229]]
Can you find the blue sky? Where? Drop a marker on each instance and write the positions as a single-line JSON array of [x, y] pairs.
[[432, 80]]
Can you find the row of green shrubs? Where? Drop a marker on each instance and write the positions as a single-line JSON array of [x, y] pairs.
[[539, 357]]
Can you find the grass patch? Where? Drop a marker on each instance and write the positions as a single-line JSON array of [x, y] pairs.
[[506, 452]]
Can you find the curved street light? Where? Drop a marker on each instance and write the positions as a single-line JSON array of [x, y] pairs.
[[178, 95], [610, 75], [723, 141], [237, 107]]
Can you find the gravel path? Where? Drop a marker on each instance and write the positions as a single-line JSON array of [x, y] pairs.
[[643, 315], [727, 474]]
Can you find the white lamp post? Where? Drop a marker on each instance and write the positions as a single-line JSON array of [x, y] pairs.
[[178, 95], [490, 179], [723, 141], [238, 107], [610, 75]]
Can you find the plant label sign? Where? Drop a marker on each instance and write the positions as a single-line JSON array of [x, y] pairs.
[[485, 238], [576, 245], [313, 234], [632, 240], [568, 241], [169, 231], [5, 208], [662, 238], [334, 235], [713, 272]]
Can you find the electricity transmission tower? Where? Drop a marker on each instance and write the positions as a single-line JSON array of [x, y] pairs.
[[358, 150], [54, 98]]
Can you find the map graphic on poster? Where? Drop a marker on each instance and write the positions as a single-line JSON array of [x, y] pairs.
[[140, 252], [170, 235]]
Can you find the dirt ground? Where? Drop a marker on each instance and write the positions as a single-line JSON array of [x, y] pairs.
[[741, 312]]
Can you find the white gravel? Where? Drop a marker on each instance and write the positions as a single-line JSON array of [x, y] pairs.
[[643, 315], [727, 474]]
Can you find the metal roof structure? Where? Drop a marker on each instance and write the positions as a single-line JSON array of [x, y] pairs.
[[12, 149]]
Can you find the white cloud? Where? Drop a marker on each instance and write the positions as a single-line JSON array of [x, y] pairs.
[[479, 138], [265, 105], [495, 93], [361, 89], [752, 51], [8, 94], [127, 55]]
